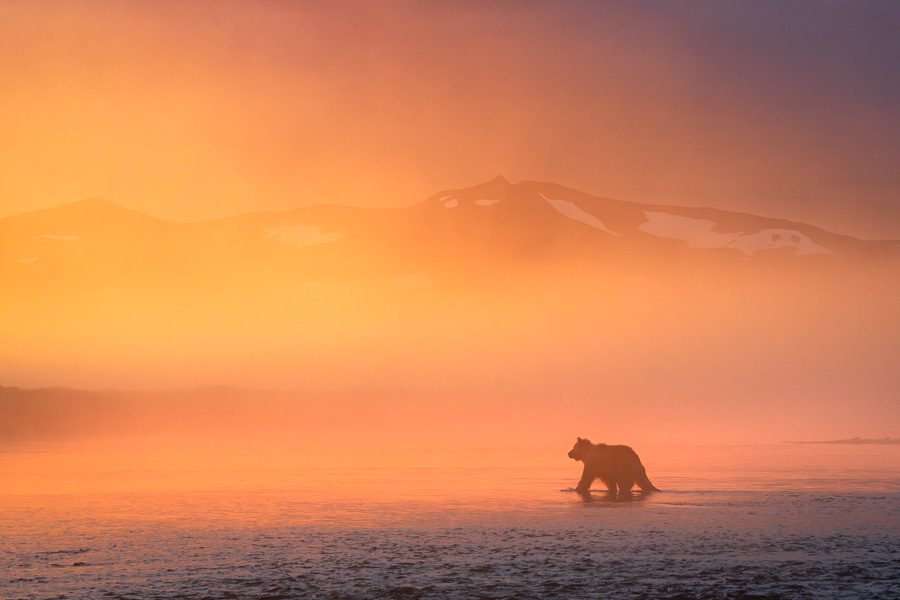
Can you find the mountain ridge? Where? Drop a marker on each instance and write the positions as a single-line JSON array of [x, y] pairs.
[[474, 236], [102, 204]]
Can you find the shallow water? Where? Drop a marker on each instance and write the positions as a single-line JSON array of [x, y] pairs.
[[764, 521]]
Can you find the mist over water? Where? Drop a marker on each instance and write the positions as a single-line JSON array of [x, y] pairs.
[[794, 520]]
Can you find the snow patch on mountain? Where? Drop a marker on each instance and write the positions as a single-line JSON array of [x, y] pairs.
[[768, 239], [451, 201], [302, 235], [574, 212], [58, 237], [698, 233]]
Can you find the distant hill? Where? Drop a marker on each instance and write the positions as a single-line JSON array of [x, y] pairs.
[[60, 413], [857, 441]]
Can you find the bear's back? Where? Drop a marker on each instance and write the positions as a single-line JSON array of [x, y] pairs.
[[623, 451], [614, 454]]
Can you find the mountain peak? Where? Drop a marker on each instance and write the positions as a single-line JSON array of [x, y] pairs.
[[491, 190], [80, 212]]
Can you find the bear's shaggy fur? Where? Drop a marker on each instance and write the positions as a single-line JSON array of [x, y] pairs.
[[616, 466]]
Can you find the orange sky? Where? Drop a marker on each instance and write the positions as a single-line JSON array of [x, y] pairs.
[[201, 109]]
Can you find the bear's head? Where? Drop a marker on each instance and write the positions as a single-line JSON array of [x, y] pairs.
[[581, 449]]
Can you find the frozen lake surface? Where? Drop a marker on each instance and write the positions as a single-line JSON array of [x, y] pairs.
[[747, 522]]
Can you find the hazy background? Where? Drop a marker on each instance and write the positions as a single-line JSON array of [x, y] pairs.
[[206, 109], [198, 110]]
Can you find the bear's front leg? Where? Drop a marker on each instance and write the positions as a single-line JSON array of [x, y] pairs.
[[584, 484]]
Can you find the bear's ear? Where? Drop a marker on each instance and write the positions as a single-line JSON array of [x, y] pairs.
[[580, 440]]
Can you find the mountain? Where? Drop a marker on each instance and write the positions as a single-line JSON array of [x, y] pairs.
[[551, 211], [455, 234], [475, 296], [91, 272]]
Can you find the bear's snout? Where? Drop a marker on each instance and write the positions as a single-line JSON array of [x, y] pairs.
[[571, 454]]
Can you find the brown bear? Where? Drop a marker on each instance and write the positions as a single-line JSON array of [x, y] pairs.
[[615, 466]]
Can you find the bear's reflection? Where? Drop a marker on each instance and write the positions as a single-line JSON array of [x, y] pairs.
[[609, 498]]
